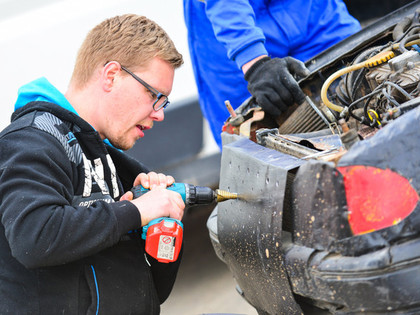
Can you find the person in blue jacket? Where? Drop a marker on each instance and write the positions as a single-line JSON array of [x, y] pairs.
[[241, 48]]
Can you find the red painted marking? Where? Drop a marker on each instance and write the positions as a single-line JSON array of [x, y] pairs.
[[376, 198]]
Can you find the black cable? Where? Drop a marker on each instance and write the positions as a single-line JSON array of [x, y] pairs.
[[403, 42], [357, 82], [400, 30], [412, 27], [365, 106], [367, 96], [353, 80], [408, 107], [390, 98], [341, 98], [400, 89]]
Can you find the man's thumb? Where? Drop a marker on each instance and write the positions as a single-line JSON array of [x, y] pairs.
[[297, 67]]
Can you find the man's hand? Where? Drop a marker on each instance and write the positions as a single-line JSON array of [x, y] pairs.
[[153, 179], [272, 84], [158, 202]]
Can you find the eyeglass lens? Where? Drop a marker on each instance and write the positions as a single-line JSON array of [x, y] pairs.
[[161, 102]]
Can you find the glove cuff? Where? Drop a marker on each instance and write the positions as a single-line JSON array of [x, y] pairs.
[[255, 67]]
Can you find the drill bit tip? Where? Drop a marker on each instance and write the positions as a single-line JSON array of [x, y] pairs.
[[222, 195]]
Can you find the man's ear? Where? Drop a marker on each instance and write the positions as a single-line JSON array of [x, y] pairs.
[[108, 74]]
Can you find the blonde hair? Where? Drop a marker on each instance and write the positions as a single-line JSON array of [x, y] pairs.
[[130, 39]]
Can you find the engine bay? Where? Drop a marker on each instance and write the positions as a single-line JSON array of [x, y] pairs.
[[348, 99]]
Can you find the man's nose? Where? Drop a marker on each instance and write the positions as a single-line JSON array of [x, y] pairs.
[[158, 115]]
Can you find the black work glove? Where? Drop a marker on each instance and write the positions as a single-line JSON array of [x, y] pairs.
[[272, 84]]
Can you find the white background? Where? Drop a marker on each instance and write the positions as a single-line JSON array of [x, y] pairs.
[[40, 38]]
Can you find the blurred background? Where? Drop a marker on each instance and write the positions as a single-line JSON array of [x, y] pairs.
[[40, 38]]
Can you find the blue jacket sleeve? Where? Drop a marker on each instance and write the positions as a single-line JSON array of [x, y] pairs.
[[235, 27]]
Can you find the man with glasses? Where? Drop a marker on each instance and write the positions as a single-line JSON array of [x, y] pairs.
[[70, 230], [161, 100]]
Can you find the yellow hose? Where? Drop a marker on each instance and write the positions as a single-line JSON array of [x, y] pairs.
[[381, 57], [408, 44]]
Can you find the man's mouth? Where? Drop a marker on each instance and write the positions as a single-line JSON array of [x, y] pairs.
[[142, 128]]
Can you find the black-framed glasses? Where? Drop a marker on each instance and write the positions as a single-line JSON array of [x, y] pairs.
[[161, 100]]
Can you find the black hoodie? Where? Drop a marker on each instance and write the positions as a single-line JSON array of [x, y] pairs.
[[67, 244]]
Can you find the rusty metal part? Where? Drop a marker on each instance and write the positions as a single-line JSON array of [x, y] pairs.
[[344, 125], [348, 136], [304, 119], [316, 140], [365, 132], [230, 109], [246, 126], [242, 113], [281, 144], [313, 145]]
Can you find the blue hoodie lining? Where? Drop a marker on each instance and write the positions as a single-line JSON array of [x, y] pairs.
[[42, 90]]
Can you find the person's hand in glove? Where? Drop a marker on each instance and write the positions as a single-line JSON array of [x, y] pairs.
[[272, 83]]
